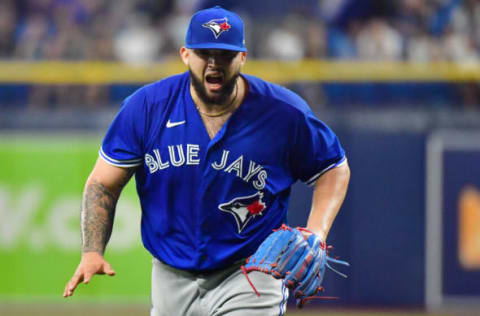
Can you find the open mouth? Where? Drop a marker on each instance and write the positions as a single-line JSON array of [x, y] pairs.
[[214, 81]]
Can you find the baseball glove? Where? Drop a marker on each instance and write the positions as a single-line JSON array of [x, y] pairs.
[[301, 260]]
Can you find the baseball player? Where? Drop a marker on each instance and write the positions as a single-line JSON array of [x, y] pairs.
[[214, 153]]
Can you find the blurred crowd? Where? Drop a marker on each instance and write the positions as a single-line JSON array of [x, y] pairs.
[[149, 30], [153, 30]]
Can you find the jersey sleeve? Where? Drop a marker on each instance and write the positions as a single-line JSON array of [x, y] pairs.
[[316, 149], [124, 142]]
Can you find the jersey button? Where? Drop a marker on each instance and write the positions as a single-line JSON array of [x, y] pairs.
[[204, 257]]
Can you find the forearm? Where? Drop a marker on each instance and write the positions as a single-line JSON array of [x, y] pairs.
[[328, 195], [100, 197], [98, 212]]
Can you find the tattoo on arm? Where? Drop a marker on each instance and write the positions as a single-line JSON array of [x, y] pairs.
[[98, 212]]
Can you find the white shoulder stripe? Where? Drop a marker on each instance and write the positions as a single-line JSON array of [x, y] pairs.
[[113, 162], [119, 165], [120, 161], [312, 180]]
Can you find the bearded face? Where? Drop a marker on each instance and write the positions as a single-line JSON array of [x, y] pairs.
[[220, 95], [214, 73]]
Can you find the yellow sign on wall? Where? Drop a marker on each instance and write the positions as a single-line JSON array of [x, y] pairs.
[[469, 228]]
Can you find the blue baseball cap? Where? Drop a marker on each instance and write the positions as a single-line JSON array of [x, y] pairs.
[[216, 28]]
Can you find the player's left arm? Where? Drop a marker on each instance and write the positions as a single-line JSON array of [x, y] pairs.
[[328, 195], [302, 262]]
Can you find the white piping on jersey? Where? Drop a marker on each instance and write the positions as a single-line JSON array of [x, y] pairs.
[[120, 163], [312, 180]]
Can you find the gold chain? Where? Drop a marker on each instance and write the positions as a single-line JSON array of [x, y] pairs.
[[221, 112]]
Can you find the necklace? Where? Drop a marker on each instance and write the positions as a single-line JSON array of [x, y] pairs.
[[221, 112]]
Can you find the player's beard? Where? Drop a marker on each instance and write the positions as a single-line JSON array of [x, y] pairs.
[[222, 98]]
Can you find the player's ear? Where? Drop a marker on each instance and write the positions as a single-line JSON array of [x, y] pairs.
[[184, 53], [243, 58]]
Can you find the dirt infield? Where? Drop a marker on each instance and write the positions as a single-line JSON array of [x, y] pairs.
[[68, 309], [100, 309]]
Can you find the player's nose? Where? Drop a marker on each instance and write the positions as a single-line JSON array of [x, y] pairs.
[[212, 60]]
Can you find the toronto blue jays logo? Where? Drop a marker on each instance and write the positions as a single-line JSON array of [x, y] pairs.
[[217, 26], [244, 208]]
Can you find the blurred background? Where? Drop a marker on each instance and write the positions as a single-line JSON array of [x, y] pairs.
[[398, 81]]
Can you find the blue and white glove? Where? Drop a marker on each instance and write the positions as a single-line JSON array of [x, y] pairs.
[[296, 255]]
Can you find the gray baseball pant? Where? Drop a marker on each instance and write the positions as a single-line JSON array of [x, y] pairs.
[[220, 293]]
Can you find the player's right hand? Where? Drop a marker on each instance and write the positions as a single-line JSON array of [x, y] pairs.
[[91, 263]]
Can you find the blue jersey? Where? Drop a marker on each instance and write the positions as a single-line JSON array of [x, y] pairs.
[[206, 203]]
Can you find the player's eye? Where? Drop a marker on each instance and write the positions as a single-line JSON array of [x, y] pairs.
[[228, 55], [222, 55], [201, 53]]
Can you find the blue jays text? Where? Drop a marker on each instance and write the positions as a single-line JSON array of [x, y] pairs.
[[179, 155]]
